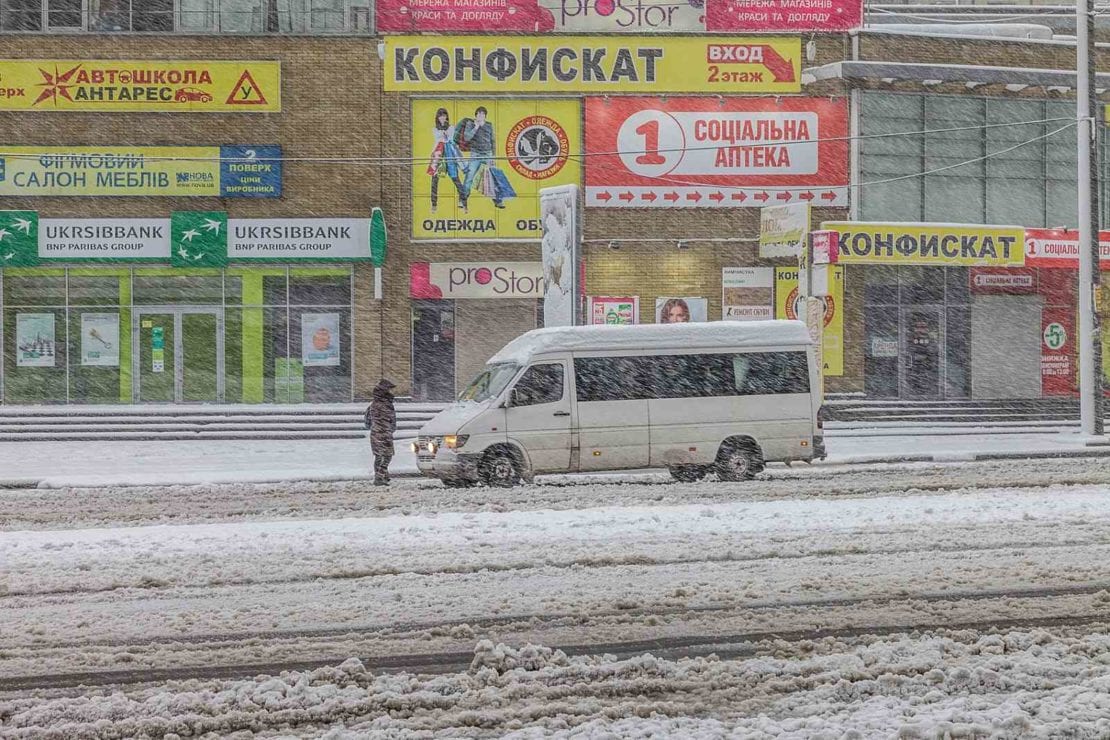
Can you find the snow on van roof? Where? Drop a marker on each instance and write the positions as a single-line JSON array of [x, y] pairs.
[[708, 335]]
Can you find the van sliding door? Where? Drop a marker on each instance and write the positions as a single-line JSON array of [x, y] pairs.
[[612, 413]]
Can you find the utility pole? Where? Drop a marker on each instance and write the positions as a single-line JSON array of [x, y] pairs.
[[1090, 345]]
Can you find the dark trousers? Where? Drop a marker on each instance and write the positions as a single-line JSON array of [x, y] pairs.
[[435, 189], [381, 467]]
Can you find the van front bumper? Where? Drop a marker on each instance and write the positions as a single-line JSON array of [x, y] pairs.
[[447, 465]]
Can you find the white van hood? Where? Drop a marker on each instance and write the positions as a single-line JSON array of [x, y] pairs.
[[452, 418]]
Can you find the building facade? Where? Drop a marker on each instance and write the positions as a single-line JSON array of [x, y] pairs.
[[276, 129]]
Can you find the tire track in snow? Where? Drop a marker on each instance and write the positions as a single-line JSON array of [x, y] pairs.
[[639, 560], [724, 646]]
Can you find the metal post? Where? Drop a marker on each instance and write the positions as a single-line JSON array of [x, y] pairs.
[[1090, 371]]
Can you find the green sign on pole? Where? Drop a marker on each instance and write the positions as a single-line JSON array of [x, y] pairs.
[[19, 238], [198, 239], [377, 237]]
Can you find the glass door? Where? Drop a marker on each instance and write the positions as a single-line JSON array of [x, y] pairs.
[[922, 342], [155, 376], [201, 366], [179, 354]]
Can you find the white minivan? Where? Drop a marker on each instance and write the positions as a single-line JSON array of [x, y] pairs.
[[722, 397]]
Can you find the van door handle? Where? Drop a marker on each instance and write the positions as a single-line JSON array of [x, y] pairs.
[[561, 413]]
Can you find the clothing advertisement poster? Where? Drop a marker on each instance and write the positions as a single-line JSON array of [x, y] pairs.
[[681, 310], [34, 339], [479, 164], [320, 339], [100, 339]]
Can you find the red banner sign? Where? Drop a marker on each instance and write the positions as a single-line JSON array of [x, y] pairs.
[[710, 152], [1059, 248], [1057, 351], [783, 15], [538, 16]]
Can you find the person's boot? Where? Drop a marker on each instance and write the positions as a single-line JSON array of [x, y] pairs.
[[379, 481]]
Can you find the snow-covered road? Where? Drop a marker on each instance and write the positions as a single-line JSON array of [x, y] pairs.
[[191, 579]]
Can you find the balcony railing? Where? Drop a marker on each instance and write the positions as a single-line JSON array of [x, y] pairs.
[[336, 17]]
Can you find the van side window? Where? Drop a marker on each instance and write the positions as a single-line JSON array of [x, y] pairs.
[[612, 378], [761, 373], [539, 384], [692, 376]]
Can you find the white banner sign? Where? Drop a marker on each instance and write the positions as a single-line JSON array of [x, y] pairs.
[[268, 239], [104, 239], [477, 280], [559, 249], [320, 339], [747, 293], [100, 339]]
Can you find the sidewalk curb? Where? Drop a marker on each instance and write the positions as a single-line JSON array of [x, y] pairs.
[[951, 457]]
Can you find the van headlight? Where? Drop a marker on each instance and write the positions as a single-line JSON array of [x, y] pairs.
[[430, 447], [455, 441], [415, 447]]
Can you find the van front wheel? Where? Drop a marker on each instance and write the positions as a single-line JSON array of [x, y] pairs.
[[498, 469], [738, 461]]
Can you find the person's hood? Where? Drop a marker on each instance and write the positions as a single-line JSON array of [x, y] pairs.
[[383, 389]]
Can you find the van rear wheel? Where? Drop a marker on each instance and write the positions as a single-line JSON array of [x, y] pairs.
[[499, 469], [688, 473], [738, 461]]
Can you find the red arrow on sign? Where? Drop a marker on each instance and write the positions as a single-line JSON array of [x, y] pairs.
[[784, 195], [781, 69], [741, 196], [671, 196], [830, 195], [717, 197], [626, 196], [762, 196], [604, 195], [694, 196], [649, 196], [806, 196]]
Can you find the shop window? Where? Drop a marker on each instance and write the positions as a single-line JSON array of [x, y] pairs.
[[957, 289], [197, 15], [880, 285], [275, 290], [957, 338], [35, 354], [37, 290], [99, 348], [94, 290], [21, 15], [321, 338], [319, 290], [174, 290], [922, 285]]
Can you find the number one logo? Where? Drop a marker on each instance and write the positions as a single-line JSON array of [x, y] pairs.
[[651, 156]]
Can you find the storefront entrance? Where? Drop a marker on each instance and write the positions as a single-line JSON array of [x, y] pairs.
[[178, 354], [922, 342]]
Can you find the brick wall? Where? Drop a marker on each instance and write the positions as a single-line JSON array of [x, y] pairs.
[[333, 105]]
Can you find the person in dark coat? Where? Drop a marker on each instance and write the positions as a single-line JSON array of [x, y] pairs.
[[381, 420]]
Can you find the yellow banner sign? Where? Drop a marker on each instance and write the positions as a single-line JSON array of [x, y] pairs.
[[109, 85], [479, 164], [138, 170], [597, 64], [863, 243], [790, 305]]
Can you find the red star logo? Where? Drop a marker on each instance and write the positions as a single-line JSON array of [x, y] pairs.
[[55, 85]]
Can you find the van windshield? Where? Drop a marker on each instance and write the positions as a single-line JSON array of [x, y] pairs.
[[490, 382]]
